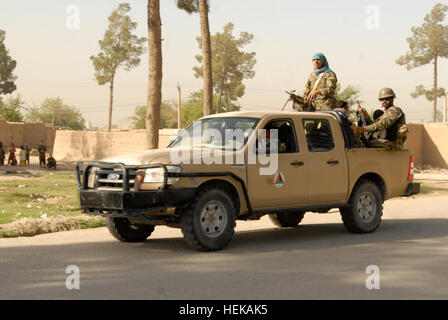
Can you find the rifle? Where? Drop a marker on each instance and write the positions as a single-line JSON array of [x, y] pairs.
[[362, 122], [303, 105]]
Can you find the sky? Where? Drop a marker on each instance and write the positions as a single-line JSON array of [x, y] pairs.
[[361, 40]]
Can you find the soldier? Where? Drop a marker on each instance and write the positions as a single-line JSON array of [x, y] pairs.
[[393, 121], [321, 84]]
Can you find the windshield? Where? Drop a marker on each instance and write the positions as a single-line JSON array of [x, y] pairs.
[[226, 133]]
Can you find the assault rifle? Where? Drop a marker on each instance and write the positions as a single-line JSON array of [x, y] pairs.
[[299, 103]]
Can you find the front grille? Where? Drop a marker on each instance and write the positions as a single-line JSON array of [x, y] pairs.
[[112, 179]]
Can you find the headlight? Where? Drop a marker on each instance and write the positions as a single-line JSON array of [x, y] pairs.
[[156, 174]]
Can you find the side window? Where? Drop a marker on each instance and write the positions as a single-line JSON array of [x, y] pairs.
[[318, 135], [287, 139]]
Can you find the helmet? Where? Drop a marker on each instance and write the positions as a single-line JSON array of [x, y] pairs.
[[386, 93]]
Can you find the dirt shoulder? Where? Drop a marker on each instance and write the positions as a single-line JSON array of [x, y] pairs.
[[433, 181]]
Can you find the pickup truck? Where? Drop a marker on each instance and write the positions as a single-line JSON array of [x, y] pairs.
[[241, 166]]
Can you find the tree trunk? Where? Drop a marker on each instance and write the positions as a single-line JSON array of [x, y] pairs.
[[111, 102], [218, 106], [434, 109], [155, 74], [207, 57]]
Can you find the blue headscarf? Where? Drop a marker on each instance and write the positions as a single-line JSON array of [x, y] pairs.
[[321, 57]]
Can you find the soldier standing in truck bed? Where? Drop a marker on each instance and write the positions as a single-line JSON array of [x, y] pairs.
[[321, 84], [393, 121]]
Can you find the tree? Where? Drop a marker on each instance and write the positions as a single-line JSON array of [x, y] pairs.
[[350, 94], [192, 108], [428, 43], [53, 111], [11, 110], [154, 74], [7, 66], [202, 6], [119, 47], [168, 116], [230, 65]]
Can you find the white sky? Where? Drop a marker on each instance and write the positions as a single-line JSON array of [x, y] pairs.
[[53, 61]]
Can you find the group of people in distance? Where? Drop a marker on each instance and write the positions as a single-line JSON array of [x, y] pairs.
[[388, 130], [23, 158]]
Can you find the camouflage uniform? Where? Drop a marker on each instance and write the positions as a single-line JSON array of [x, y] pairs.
[[327, 85], [393, 116]]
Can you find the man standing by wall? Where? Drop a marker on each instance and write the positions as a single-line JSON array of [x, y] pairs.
[[42, 149]]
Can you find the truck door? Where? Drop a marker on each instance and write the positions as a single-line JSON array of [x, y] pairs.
[[325, 160], [287, 182]]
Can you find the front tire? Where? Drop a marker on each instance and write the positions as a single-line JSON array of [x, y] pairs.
[[208, 223], [287, 219], [124, 231], [365, 208]]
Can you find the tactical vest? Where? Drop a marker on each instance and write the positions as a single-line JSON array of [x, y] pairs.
[[392, 131]]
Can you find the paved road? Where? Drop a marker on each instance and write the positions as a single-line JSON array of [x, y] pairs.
[[318, 260]]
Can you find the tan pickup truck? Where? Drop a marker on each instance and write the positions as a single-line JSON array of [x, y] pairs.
[[241, 166]]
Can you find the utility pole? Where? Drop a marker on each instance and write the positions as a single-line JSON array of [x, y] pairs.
[[445, 100], [179, 106]]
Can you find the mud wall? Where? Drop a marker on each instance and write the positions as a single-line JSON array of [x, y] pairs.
[[427, 142], [95, 145], [26, 134]]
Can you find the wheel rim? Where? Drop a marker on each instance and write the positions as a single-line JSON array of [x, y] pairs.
[[367, 207], [213, 219]]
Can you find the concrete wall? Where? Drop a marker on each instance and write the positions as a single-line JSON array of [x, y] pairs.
[[26, 134]]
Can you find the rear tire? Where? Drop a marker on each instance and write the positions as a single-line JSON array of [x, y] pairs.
[[287, 219], [365, 208], [208, 223], [124, 231]]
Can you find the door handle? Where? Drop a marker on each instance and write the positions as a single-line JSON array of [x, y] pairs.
[[297, 163], [333, 162]]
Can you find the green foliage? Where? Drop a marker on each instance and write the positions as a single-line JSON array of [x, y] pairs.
[[8, 234], [168, 116], [350, 94], [54, 111], [189, 6], [7, 66], [91, 223], [193, 109], [429, 94], [428, 43], [11, 109], [230, 66], [119, 46]]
